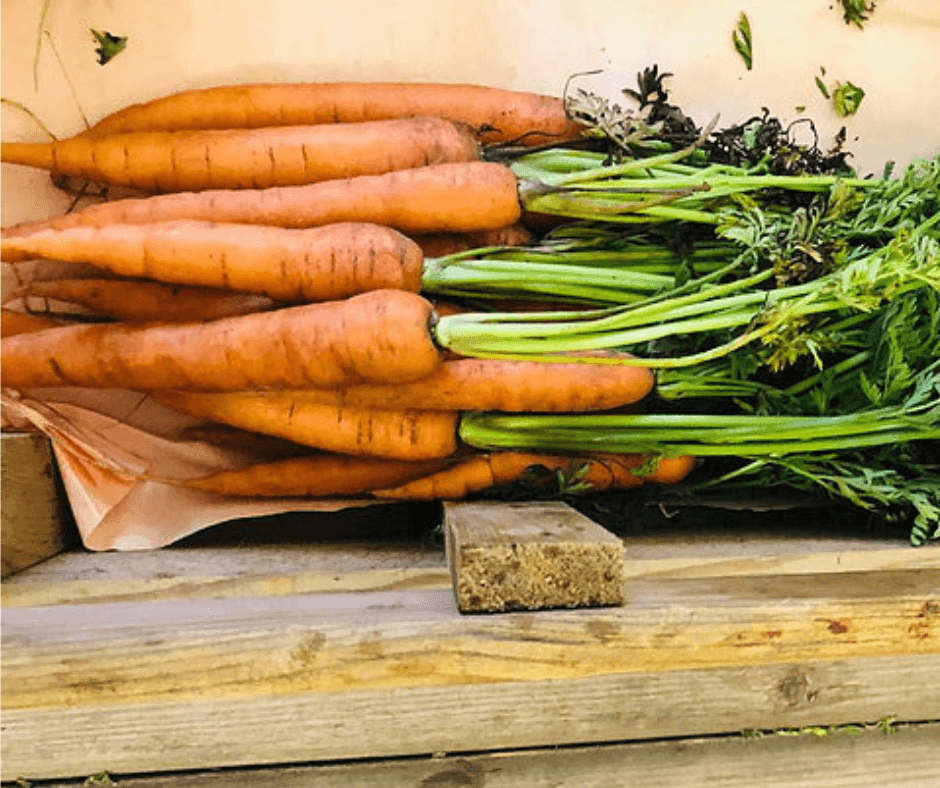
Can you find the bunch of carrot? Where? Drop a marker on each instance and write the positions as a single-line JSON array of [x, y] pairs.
[[275, 279]]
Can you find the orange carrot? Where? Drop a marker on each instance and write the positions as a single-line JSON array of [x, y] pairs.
[[154, 162], [500, 385], [441, 198], [321, 475], [481, 472], [472, 475], [138, 301], [671, 470], [499, 115], [13, 323], [258, 447], [316, 264], [374, 432], [441, 244], [378, 336]]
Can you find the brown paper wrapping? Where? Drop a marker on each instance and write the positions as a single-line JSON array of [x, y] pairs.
[[121, 457]]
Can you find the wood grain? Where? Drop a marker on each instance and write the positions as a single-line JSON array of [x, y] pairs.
[[34, 522], [172, 735], [864, 758], [530, 557]]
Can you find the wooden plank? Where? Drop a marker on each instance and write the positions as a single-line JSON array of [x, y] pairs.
[[530, 557], [142, 652], [193, 684], [908, 757], [264, 563], [230, 732], [34, 521], [229, 571]]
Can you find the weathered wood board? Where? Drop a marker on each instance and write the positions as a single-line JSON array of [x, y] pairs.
[[869, 757], [35, 520], [207, 661], [530, 557]]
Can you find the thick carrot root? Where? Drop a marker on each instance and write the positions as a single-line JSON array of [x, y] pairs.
[[156, 162], [441, 198], [297, 266], [441, 244], [377, 336], [13, 323], [397, 434], [481, 472], [139, 302], [499, 115], [319, 476], [500, 385]]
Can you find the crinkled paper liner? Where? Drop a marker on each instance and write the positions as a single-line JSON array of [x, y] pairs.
[[121, 456]]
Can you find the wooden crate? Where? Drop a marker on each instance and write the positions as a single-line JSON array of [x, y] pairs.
[[314, 643]]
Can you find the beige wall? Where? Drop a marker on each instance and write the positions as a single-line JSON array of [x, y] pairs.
[[526, 44]]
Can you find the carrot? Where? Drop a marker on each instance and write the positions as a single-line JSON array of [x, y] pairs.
[[251, 444], [139, 301], [463, 197], [154, 162], [316, 264], [320, 475], [374, 432], [672, 470], [501, 385], [472, 475], [13, 323], [441, 244], [481, 472], [378, 336], [499, 115]]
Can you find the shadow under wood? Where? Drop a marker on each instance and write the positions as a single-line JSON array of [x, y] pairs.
[[651, 513], [382, 523]]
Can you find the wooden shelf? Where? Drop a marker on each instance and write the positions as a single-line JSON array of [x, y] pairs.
[[246, 652]]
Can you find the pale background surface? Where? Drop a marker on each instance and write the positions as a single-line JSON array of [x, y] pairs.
[[522, 44]]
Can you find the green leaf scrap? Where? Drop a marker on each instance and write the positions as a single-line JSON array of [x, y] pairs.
[[742, 40], [109, 45], [855, 12], [846, 98]]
